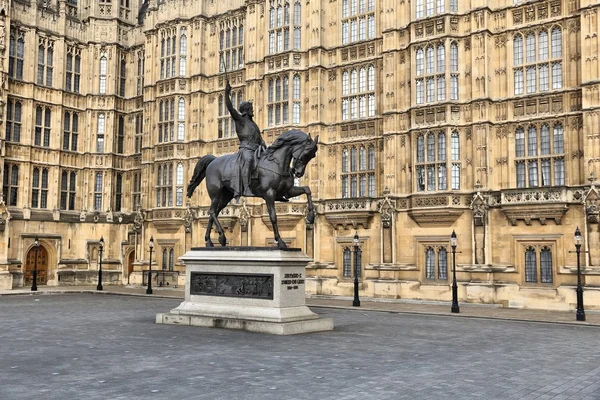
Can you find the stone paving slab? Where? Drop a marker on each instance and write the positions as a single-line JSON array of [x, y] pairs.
[[367, 304], [83, 346]]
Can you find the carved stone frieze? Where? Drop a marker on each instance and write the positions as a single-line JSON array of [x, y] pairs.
[[288, 216], [228, 217], [348, 214], [529, 213], [436, 216]]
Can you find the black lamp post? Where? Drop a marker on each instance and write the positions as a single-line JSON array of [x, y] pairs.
[[151, 245], [580, 310], [455, 308], [100, 250], [356, 302], [36, 244]]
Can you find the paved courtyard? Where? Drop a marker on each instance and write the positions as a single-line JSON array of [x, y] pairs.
[[85, 346]]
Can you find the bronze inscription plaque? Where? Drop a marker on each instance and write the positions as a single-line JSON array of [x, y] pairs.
[[253, 286]]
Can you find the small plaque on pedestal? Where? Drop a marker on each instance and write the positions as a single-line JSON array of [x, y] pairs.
[[251, 288]]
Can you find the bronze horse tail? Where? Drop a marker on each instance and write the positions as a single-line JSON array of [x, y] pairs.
[[199, 173]]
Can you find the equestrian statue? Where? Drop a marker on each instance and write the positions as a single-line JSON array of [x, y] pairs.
[[255, 170]]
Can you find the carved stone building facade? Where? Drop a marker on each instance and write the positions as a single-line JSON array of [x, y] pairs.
[[433, 116]]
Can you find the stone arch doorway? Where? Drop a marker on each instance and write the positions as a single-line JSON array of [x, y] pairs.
[[130, 261], [42, 266]]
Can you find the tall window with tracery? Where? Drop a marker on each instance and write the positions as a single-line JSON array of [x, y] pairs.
[[538, 264], [68, 187], [70, 130], [179, 185], [168, 53], [124, 9], [279, 100], [98, 191], [100, 133], [140, 73], [139, 128], [427, 8], [118, 192], [73, 69], [358, 92], [14, 114], [431, 70], [231, 46], [453, 71], [348, 260], [358, 20], [16, 53], [122, 76], [433, 164], [183, 51], [103, 73], [43, 122], [121, 135], [168, 259], [358, 171], [226, 125], [137, 190], [166, 120], [181, 119], [10, 186], [280, 25], [45, 62], [39, 188], [436, 263], [164, 185], [537, 61], [540, 155]]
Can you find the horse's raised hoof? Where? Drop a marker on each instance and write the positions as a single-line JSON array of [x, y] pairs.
[[281, 245], [223, 240], [209, 243]]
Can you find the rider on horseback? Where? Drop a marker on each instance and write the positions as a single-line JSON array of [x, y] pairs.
[[252, 146]]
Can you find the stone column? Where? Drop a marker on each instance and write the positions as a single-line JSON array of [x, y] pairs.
[[310, 240]]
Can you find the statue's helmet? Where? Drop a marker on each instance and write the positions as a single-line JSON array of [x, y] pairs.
[[245, 107]]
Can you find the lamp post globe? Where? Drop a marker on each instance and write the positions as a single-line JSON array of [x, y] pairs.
[[356, 301], [36, 245], [577, 239], [151, 246], [100, 251], [453, 243]]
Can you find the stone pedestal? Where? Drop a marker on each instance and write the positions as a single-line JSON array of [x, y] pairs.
[[251, 288]]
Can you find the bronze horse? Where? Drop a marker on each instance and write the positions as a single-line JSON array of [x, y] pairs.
[[284, 160]]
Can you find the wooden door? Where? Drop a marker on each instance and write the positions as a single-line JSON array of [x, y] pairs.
[[42, 266]]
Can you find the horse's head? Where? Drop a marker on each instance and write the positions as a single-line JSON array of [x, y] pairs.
[[306, 153]]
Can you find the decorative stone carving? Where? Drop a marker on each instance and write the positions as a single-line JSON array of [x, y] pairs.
[[188, 220], [4, 215], [479, 206], [386, 209], [592, 205], [138, 221], [244, 217]]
